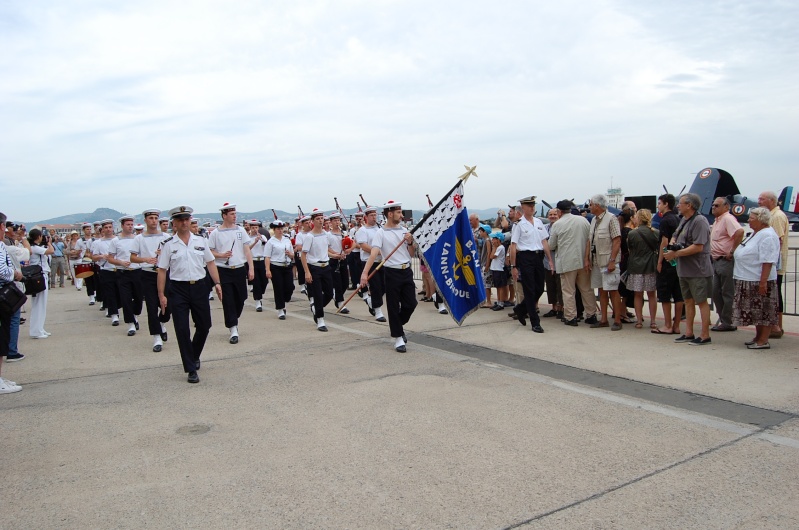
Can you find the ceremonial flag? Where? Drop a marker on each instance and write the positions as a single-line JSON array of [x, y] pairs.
[[447, 246]]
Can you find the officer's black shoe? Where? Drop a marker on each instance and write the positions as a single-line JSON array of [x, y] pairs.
[[538, 329], [157, 348], [193, 377], [282, 317], [234, 339], [164, 336], [519, 316], [115, 323]]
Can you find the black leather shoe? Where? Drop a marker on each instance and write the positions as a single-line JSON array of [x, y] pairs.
[[197, 364], [282, 317], [234, 339], [538, 329], [322, 328], [164, 336], [131, 332], [401, 349], [572, 322], [550, 313], [115, 323], [259, 309], [157, 348], [591, 320], [193, 377], [381, 319], [521, 318], [344, 311]]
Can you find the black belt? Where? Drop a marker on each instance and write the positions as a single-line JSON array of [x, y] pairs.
[[535, 252]]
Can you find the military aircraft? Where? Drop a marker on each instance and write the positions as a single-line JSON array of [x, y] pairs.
[[712, 182]]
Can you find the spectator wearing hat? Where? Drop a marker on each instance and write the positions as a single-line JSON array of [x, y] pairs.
[[605, 254], [145, 252], [364, 237], [394, 243], [187, 259], [58, 261], [257, 248], [569, 238], [317, 249], [128, 274], [552, 279], [527, 251], [74, 254], [278, 253]]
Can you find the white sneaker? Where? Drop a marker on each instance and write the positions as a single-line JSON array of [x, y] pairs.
[[47, 333], [5, 388], [9, 382], [42, 336]]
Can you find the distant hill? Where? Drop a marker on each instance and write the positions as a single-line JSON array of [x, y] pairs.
[[98, 215]]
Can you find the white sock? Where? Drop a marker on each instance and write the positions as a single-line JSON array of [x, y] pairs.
[[163, 328], [442, 309], [399, 342], [320, 322], [157, 339], [368, 300], [378, 313], [281, 312], [257, 303], [234, 331], [115, 318], [132, 327]]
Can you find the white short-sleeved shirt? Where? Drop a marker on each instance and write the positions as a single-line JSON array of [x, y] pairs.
[[258, 250], [315, 247], [83, 245], [185, 262], [498, 263], [227, 239], [103, 247], [752, 253], [366, 234], [147, 246], [121, 248], [529, 236], [39, 258], [275, 249], [387, 239]]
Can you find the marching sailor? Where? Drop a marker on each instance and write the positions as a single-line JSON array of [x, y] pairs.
[[364, 237], [163, 223], [354, 262], [316, 253], [145, 252], [185, 256], [302, 231], [230, 245], [400, 288], [128, 274], [338, 261], [257, 249], [278, 253], [108, 277]]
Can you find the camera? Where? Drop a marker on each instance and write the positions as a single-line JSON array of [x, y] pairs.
[[675, 247]]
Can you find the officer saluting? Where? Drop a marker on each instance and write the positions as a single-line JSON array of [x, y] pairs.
[[185, 256]]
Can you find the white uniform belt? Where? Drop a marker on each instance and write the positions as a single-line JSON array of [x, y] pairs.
[[277, 264], [258, 259], [319, 264], [230, 266], [400, 266]]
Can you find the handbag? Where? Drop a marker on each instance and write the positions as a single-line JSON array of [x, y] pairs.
[[11, 298], [33, 278]]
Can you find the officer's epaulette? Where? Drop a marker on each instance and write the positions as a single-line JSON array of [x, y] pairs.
[[167, 240]]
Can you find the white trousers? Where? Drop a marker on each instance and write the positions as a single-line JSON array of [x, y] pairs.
[[72, 263], [38, 311]]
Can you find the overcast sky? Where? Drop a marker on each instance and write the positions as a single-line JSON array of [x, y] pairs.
[[270, 104]]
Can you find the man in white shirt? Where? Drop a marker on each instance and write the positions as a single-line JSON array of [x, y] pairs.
[[364, 237], [317, 249], [128, 274]]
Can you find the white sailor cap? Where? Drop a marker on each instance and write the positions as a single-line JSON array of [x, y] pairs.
[[181, 212], [255, 222], [316, 212], [227, 206], [151, 211], [126, 218], [358, 214], [305, 218], [194, 221], [162, 219], [391, 205], [527, 200], [370, 209], [335, 215], [86, 225], [107, 222], [139, 227], [277, 223]]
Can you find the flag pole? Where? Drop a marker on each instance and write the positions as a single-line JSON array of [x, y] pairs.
[[379, 265]]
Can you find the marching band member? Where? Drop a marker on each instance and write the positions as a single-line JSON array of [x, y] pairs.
[[230, 246], [316, 254], [364, 237], [400, 288], [354, 263], [260, 280], [338, 261], [145, 252], [84, 244], [303, 229], [185, 256], [278, 253], [163, 223], [108, 279], [128, 274]]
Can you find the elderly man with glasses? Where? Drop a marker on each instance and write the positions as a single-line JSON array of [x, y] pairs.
[[725, 236]]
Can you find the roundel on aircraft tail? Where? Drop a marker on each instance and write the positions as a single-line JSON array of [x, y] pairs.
[[705, 173], [738, 209]]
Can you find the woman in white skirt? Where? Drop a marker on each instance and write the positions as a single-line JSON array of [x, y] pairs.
[[40, 255]]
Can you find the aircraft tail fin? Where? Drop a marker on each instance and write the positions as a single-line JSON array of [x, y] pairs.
[[711, 183], [788, 200]]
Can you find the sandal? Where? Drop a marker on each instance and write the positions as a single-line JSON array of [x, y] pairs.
[[638, 325], [653, 326]]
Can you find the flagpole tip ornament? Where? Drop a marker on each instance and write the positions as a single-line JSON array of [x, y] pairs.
[[469, 172]]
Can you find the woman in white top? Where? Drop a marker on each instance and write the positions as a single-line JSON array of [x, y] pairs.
[[40, 255], [278, 254], [755, 275]]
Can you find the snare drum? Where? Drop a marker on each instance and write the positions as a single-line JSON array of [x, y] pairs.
[[84, 270]]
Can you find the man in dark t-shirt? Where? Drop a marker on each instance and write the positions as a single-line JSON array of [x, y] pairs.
[[668, 283]]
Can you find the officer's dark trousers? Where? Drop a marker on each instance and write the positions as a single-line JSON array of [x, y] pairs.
[[377, 286], [234, 293], [259, 281], [149, 284], [130, 294], [320, 290], [400, 298], [531, 268], [340, 279], [185, 298], [282, 284], [108, 281]]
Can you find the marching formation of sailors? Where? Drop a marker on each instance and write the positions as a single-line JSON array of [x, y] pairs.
[[176, 275]]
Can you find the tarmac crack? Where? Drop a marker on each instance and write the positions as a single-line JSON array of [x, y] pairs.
[[635, 480]]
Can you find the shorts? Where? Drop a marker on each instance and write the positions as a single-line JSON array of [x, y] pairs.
[[697, 289], [499, 278], [668, 285], [607, 281]]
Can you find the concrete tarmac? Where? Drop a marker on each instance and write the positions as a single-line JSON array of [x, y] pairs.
[[484, 426]]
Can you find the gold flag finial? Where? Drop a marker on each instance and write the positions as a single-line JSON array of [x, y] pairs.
[[469, 172]]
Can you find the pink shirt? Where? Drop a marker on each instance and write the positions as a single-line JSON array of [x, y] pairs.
[[721, 235]]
